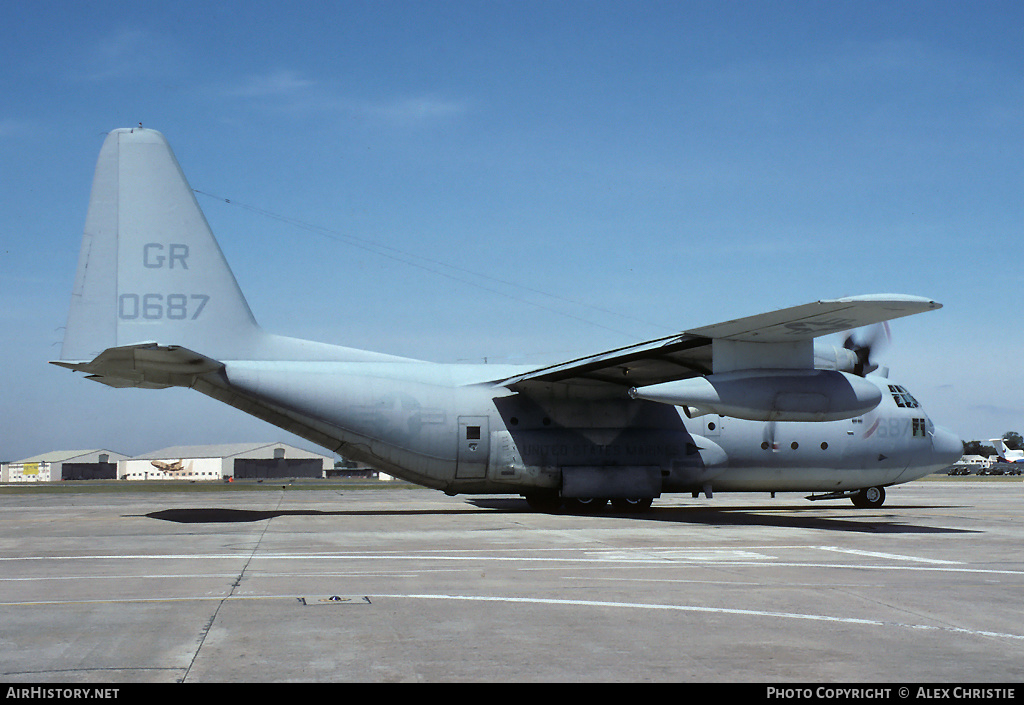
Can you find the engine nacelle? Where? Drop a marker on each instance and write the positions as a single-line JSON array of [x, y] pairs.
[[769, 395]]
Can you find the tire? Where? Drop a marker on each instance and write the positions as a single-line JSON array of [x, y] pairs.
[[585, 505], [632, 504], [869, 498]]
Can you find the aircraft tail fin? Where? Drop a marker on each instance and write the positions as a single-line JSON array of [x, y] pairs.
[[1006, 454], [150, 269]]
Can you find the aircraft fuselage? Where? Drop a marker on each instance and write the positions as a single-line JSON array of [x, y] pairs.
[[449, 427]]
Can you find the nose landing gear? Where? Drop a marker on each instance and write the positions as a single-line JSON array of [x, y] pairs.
[[868, 498]]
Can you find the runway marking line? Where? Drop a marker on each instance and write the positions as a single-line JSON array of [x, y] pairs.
[[555, 601], [713, 610], [888, 556]]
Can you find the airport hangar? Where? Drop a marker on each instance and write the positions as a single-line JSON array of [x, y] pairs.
[[189, 463], [59, 465]]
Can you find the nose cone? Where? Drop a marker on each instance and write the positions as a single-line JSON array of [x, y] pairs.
[[946, 447]]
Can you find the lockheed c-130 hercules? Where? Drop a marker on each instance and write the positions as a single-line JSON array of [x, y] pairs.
[[746, 405]]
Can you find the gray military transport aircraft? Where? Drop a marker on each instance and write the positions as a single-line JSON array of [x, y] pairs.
[[746, 405]]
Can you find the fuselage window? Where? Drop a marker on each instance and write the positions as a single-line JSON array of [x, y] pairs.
[[920, 430]]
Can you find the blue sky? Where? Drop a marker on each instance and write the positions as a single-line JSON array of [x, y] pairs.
[[527, 181]]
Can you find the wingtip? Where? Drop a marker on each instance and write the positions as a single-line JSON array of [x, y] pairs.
[[896, 299]]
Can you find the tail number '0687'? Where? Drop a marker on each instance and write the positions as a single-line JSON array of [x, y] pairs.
[[160, 307]]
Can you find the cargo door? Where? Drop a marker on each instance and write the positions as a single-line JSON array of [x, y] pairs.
[[474, 447]]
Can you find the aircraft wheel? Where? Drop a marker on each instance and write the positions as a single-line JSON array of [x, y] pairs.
[[585, 505], [632, 504], [544, 501], [869, 498]]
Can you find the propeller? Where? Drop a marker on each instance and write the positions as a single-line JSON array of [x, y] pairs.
[[866, 341]]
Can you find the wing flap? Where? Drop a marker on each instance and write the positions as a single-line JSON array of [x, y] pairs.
[[674, 357]]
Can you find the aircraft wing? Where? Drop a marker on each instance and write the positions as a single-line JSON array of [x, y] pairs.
[[779, 339]]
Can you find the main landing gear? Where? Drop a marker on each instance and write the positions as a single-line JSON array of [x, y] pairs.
[[552, 502]]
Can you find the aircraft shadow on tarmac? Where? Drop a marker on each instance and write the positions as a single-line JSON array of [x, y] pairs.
[[776, 516], [788, 516], [216, 515]]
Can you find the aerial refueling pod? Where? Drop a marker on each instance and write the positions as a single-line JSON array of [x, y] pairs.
[[769, 395]]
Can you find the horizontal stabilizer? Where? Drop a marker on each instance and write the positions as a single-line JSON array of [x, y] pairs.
[[146, 365]]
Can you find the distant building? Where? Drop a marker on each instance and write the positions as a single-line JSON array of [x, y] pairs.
[[976, 462], [216, 462], [64, 465]]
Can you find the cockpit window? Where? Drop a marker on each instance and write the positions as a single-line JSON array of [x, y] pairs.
[[902, 397]]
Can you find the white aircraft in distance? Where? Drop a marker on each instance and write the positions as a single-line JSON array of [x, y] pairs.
[[746, 405], [1005, 454]]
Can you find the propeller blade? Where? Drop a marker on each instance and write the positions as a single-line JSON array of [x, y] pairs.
[[864, 343]]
